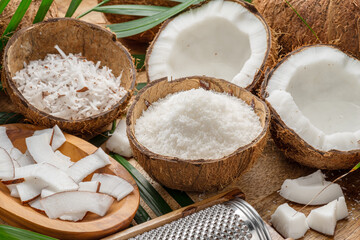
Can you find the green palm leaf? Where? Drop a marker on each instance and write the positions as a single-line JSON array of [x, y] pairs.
[[12, 233], [42, 11], [3, 4]]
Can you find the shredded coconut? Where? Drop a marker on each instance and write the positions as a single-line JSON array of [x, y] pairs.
[[69, 86], [197, 124]]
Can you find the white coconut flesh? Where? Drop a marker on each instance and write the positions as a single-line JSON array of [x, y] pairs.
[[323, 219], [302, 190], [92, 186], [316, 94], [220, 39], [6, 144], [25, 159], [58, 138], [88, 165], [30, 189], [119, 142], [288, 222], [7, 169], [113, 185], [63, 203]]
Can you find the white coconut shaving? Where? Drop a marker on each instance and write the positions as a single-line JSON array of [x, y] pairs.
[[69, 86], [197, 124]]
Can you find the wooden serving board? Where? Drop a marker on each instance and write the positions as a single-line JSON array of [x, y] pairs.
[[119, 215]]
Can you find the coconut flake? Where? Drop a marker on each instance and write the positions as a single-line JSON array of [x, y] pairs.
[[69, 86], [119, 142], [197, 124]]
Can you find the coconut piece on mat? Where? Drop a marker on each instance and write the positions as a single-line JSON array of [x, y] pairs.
[[288, 222], [119, 142], [58, 138], [70, 202], [88, 165], [323, 219], [302, 190], [7, 169], [113, 185], [341, 209]]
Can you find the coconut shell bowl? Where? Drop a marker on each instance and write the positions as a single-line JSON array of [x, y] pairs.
[[72, 36], [202, 174]]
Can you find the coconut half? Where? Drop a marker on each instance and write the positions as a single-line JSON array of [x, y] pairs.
[[222, 39], [313, 96]]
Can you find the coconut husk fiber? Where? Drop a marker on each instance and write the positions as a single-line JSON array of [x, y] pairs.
[[144, 37], [72, 36], [334, 22], [195, 175]]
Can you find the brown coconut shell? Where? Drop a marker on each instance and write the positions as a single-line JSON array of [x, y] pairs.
[[271, 55], [144, 37], [295, 148], [72, 36], [202, 174], [335, 22]]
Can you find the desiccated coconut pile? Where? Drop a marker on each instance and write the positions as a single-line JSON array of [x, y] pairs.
[[197, 124], [69, 86]]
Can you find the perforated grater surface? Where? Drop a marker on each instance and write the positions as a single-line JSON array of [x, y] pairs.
[[234, 219]]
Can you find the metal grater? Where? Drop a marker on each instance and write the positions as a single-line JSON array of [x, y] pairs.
[[234, 219]]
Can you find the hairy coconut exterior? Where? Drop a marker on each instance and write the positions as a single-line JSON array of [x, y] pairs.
[[335, 22], [270, 58], [72, 36], [202, 174], [295, 148], [146, 36]]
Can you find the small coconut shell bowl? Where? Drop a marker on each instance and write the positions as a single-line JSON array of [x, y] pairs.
[[202, 174], [72, 36]]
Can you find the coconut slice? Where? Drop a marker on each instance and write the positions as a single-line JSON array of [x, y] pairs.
[[30, 189], [88, 165], [20, 174], [323, 219], [7, 169], [302, 190], [13, 190], [288, 222], [92, 186], [46, 192], [313, 94], [39, 148], [5, 142], [25, 159], [36, 204], [48, 132], [71, 202], [67, 160], [222, 39], [58, 138], [113, 185], [119, 142]]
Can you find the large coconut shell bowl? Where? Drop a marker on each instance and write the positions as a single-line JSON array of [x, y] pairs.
[[201, 174], [72, 36]]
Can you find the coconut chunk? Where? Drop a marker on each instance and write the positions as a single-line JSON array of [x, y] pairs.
[[288, 222], [25, 159], [36, 204], [30, 189], [48, 132], [119, 142], [5, 142], [220, 39], [323, 219], [39, 148], [113, 185], [92, 186], [302, 190], [13, 190], [46, 192], [88, 165], [58, 138], [341, 209], [71, 202], [7, 169]]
